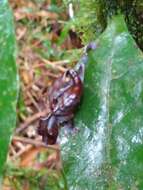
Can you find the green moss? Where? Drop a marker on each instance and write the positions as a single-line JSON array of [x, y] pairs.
[[37, 179], [91, 17]]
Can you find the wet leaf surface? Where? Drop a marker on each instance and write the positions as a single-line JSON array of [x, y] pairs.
[[8, 81], [107, 153]]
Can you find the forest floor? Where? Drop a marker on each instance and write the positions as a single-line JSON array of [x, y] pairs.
[[45, 50]]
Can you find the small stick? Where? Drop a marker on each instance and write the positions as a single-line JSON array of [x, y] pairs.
[[12, 150], [19, 153], [33, 100], [31, 119], [59, 63], [34, 142], [60, 68]]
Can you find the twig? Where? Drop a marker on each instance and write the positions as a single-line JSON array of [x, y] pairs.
[[49, 74], [61, 62], [33, 100], [12, 150], [34, 142], [22, 151], [60, 68], [57, 63], [30, 120]]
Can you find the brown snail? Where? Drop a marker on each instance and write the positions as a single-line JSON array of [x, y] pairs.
[[64, 97]]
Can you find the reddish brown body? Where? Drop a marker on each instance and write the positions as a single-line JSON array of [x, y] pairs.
[[65, 93], [64, 96]]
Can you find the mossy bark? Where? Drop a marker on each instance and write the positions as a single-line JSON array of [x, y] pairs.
[[92, 17]]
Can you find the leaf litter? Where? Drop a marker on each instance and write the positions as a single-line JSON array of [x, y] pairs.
[[40, 60]]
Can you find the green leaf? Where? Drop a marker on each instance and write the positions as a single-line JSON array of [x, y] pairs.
[[8, 81], [107, 153]]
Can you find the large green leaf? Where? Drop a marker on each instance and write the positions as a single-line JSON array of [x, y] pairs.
[[8, 80], [107, 153]]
